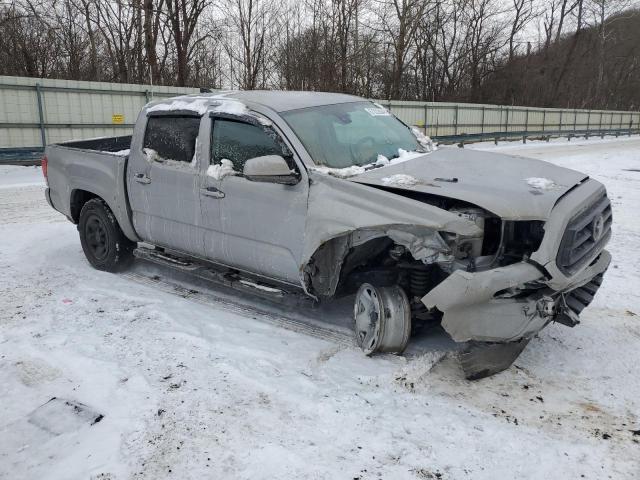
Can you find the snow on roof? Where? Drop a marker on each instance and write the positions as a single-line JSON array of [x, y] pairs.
[[279, 101]]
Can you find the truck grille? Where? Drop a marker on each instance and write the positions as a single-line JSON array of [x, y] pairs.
[[585, 236]]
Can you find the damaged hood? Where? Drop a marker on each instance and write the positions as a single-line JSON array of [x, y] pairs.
[[512, 187]]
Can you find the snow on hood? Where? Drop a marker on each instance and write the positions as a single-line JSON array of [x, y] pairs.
[[540, 183], [400, 180], [496, 182]]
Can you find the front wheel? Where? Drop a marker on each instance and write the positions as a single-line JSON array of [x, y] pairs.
[[382, 318], [103, 242]]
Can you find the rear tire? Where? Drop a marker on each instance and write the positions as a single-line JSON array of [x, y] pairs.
[[103, 242], [382, 318]]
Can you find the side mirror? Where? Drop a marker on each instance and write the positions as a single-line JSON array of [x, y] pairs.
[[270, 168]]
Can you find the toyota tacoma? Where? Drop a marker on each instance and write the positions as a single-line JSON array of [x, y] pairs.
[[330, 195]]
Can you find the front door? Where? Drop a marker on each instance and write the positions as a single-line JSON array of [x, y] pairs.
[[164, 183], [262, 223]]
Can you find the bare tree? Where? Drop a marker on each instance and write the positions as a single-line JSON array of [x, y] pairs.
[[523, 14], [400, 20], [183, 16], [253, 22]]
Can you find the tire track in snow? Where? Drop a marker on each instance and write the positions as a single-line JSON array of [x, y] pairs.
[[340, 337]]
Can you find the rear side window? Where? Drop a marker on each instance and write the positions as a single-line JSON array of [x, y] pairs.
[[238, 142], [172, 137]]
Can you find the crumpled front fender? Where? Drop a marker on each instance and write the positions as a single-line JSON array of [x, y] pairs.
[[339, 209]]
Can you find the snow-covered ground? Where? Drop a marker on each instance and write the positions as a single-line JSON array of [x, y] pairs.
[[190, 390]]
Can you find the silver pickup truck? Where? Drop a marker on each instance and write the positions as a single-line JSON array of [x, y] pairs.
[[330, 195]]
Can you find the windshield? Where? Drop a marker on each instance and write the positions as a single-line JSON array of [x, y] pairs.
[[348, 134]]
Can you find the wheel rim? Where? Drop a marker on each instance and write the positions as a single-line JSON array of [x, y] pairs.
[[367, 318], [97, 237]]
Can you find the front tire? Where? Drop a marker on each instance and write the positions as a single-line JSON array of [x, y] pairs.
[[382, 318], [103, 242]]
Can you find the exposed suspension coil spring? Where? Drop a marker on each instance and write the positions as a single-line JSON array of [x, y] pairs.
[[419, 282]]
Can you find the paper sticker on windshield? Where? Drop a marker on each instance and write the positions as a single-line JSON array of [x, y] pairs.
[[378, 112]]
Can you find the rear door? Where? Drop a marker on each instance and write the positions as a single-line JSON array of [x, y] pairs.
[[262, 223], [164, 182]]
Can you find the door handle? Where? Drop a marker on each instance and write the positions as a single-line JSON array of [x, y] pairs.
[[212, 192], [142, 178]]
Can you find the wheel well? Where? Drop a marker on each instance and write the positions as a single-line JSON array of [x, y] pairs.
[[339, 267], [333, 261], [78, 199]]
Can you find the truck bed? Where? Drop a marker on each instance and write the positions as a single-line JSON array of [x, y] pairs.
[[103, 144], [94, 167]]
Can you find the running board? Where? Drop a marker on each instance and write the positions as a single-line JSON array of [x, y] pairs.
[[224, 277]]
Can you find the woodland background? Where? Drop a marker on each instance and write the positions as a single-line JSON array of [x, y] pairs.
[[547, 53]]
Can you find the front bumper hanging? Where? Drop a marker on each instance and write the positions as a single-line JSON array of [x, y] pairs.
[[472, 312]]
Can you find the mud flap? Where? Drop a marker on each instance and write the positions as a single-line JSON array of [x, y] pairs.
[[483, 359]]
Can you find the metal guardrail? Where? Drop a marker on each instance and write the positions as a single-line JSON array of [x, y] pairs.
[[32, 156], [496, 137]]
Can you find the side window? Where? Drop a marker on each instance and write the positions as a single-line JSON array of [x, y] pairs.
[[238, 142], [171, 137]]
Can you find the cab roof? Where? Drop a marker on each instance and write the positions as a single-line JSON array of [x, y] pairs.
[[277, 100]]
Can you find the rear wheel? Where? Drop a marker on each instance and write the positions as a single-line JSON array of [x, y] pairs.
[[382, 317], [103, 242]]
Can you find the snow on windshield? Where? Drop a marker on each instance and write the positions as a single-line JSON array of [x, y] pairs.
[[382, 161]]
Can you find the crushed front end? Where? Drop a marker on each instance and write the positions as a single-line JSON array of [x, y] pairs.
[[541, 272]]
